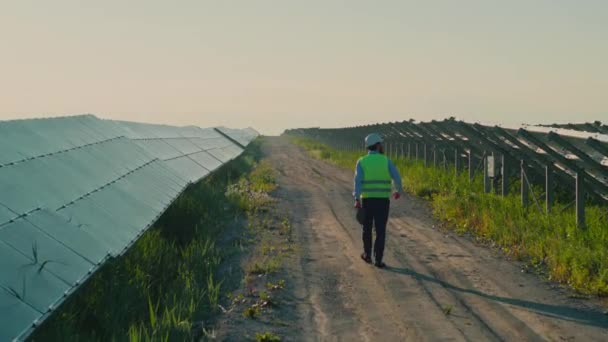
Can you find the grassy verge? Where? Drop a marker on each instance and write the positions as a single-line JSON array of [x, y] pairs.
[[167, 284], [256, 307], [577, 257]]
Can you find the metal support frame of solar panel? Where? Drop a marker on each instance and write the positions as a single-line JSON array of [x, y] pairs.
[[569, 164], [538, 147], [495, 143], [425, 140], [459, 142], [95, 188]]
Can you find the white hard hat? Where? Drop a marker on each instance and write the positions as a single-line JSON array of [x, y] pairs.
[[373, 139]]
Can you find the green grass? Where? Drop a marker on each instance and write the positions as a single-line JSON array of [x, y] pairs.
[[279, 285], [447, 310], [251, 193], [267, 337], [252, 312], [577, 257], [268, 266], [265, 297], [167, 281]]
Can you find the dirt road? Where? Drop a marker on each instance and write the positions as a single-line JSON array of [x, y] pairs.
[[438, 286]]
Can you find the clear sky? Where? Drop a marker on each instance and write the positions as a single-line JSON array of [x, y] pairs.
[[279, 64]]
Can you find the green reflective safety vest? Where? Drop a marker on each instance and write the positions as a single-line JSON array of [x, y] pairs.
[[376, 177]]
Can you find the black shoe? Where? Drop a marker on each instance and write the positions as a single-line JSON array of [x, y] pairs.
[[380, 264], [366, 258]]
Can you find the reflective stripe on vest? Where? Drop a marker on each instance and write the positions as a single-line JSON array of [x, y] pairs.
[[376, 177]]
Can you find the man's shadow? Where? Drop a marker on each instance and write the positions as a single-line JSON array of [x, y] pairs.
[[587, 317]]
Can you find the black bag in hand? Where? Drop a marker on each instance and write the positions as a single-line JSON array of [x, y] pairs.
[[361, 215]]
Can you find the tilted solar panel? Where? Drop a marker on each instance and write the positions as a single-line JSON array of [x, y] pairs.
[[75, 191]]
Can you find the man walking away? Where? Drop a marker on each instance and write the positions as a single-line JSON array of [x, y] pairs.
[[373, 175]]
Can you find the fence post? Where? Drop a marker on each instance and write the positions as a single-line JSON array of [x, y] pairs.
[[486, 174], [525, 189], [471, 166], [457, 160], [580, 199], [504, 173], [426, 158], [409, 150], [435, 156], [548, 188]]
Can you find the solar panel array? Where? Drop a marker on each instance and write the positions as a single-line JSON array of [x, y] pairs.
[[590, 127], [75, 191], [573, 159]]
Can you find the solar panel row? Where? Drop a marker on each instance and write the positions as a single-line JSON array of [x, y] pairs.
[[566, 151], [77, 190]]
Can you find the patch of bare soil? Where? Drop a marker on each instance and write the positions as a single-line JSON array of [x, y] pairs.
[[263, 298]]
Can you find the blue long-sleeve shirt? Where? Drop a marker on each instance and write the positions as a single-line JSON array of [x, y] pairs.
[[391, 169]]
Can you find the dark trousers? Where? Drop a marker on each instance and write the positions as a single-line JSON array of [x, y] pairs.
[[376, 214]]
